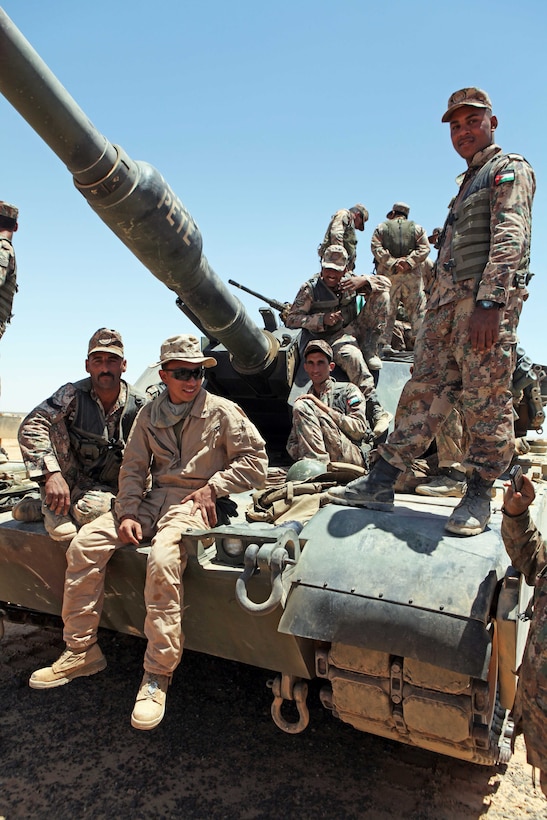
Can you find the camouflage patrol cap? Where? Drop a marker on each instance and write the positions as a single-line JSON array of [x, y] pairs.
[[9, 210], [335, 258], [475, 97], [400, 208], [361, 210], [320, 345], [105, 340], [184, 348]]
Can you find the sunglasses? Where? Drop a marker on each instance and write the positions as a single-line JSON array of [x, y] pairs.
[[183, 374]]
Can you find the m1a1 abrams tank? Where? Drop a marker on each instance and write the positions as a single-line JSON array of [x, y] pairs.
[[414, 634]]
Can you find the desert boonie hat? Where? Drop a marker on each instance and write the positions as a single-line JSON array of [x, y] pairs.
[[107, 341], [475, 97], [9, 210], [320, 345], [335, 257], [184, 348], [400, 208]]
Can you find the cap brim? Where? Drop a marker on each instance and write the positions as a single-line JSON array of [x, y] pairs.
[[206, 361], [117, 351], [447, 114]]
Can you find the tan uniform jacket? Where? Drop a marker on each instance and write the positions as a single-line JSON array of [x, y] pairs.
[[219, 447]]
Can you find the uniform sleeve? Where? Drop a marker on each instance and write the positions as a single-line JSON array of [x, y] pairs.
[[338, 227], [5, 254], [381, 254], [35, 431], [511, 198], [134, 471], [524, 544], [352, 421], [421, 251], [299, 315], [247, 462]]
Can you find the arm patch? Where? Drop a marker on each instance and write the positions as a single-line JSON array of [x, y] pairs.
[[504, 176]]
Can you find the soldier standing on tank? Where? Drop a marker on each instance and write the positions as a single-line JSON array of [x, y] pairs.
[[341, 231], [72, 443], [528, 553], [195, 448], [465, 350], [329, 423], [325, 307], [399, 247], [8, 267]]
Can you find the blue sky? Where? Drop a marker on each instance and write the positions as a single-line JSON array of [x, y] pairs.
[[264, 119]]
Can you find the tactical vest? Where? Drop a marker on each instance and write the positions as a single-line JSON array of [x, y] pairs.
[[326, 301], [470, 217], [99, 456], [399, 237], [9, 288]]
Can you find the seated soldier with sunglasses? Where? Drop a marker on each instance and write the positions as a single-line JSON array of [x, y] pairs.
[[195, 447]]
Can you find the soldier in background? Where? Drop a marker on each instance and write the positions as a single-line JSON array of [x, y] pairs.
[[399, 247], [326, 308], [329, 422], [8, 267], [466, 349], [528, 553], [341, 231], [72, 443], [428, 266]]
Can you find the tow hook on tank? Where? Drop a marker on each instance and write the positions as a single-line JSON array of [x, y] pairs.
[[288, 687], [270, 558]]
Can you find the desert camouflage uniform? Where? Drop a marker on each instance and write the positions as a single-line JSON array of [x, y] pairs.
[[341, 231], [219, 446], [451, 441], [528, 554], [44, 439], [406, 287], [8, 280], [345, 341], [446, 370], [333, 436]]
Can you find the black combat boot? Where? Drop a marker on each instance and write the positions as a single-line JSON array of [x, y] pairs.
[[472, 514], [374, 491], [378, 418]]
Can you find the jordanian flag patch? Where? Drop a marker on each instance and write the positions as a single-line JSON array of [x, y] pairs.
[[505, 176]]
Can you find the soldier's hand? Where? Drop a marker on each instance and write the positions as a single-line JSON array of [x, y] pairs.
[[403, 266], [484, 329], [130, 531], [330, 319], [517, 503], [204, 501], [57, 494]]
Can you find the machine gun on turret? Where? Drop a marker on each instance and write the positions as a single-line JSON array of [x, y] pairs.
[[282, 307]]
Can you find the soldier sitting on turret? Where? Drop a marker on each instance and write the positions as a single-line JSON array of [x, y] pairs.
[[326, 308], [72, 443]]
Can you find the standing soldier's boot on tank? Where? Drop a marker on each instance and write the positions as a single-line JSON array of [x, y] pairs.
[[472, 514], [370, 351], [374, 491]]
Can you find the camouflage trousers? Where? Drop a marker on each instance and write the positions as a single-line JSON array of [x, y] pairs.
[[452, 442], [319, 438], [448, 373], [88, 555], [406, 288], [87, 501], [347, 355]]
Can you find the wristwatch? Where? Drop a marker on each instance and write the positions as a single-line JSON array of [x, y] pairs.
[[488, 304]]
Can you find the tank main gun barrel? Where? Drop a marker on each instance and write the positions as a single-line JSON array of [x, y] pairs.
[[132, 198]]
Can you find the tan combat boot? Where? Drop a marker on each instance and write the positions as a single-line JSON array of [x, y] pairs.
[[29, 508], [59, 527], [149, 706], [69, 666]]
